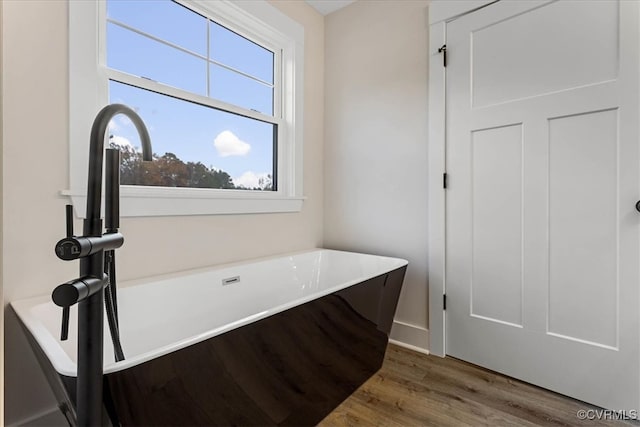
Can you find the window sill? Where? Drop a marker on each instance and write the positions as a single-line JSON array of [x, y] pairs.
[[149, 201]]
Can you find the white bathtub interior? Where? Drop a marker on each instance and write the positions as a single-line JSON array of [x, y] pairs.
[[162, 314]]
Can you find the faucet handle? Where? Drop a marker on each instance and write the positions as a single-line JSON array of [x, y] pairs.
[[77, 290], [64, 333], [73, 292], [71, 248], [69, 218]]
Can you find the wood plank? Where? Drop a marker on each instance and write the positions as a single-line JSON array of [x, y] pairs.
[[413, 389]]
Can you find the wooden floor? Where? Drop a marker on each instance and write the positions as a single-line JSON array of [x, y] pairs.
[[413, 389]]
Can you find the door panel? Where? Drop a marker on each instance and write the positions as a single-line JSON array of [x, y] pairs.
[[497, 220], [542, 157], [583, 176], [587, 53]]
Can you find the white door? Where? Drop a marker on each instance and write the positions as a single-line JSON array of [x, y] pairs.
[[542, 258]]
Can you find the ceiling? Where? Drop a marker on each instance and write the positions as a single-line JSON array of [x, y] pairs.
[[325, 7]]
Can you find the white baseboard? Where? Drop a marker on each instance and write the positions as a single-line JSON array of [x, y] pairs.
[[50, 418], [410, 336]]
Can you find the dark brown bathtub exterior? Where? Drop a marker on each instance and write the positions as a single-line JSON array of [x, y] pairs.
[[290, 369]]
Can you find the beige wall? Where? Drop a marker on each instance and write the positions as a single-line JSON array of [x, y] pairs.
[[376, 142], [366, 134], [35, 153]]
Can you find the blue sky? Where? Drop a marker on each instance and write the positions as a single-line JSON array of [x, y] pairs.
[[235, 144]]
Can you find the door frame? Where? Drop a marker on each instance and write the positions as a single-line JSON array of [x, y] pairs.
[[440, 13]]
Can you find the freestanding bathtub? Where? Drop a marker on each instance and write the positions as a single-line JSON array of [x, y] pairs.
[[277, 341]]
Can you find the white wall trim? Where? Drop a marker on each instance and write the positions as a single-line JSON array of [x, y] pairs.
[[41, 418], [440, 11], [413, 337], [169, 202], [1, 225], [446, 10], [409, 346], [437, 202]]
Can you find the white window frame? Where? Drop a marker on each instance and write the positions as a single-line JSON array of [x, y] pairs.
[[88, 93]]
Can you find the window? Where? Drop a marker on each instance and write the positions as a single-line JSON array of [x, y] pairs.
[[219, 86]]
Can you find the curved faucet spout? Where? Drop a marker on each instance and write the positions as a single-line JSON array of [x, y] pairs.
[[96, 154]]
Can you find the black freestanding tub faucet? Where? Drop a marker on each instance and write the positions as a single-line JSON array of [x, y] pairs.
[[92, 248]]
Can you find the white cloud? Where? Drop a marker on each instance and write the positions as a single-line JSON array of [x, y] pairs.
[[120, 141], [124, 120], [119, 122], [228, 144], [251, 179]]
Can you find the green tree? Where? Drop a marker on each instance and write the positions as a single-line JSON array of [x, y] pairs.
[[170, 171]]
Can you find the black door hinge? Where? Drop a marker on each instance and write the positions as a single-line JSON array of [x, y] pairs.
[[444, 180], [444, 301], [443, 51]]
